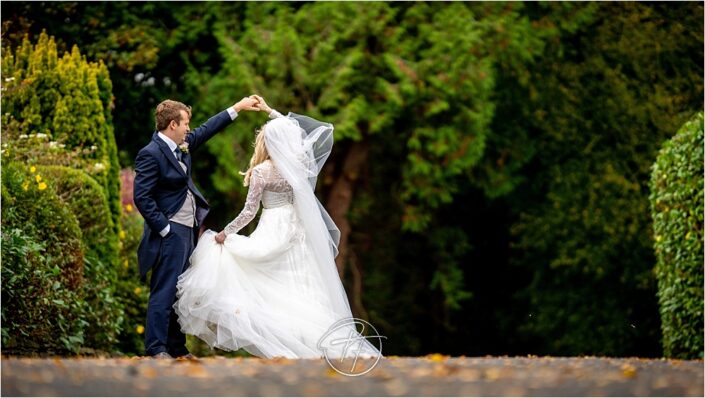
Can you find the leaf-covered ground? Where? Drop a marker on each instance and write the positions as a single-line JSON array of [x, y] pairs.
[[432, 375]]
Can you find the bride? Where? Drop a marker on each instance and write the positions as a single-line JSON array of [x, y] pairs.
[[277, 292]]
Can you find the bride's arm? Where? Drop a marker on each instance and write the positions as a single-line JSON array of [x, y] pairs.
[[248, 213]]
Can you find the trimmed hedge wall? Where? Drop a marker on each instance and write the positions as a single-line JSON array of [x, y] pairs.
[[677, 211]]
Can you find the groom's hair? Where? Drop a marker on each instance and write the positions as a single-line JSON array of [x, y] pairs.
[[167, 111]]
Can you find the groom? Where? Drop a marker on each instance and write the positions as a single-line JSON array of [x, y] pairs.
[[172, 208]]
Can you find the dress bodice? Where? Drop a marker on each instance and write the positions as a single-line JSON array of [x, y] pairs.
[[271, 199], [266, 186]]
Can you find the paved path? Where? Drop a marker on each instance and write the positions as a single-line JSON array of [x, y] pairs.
[[433, 375]]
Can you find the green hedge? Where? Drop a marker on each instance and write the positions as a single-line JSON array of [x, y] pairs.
[[65, 100], [87, 201], [57, 218], [42, 267], [677, 211], [131, 293], [57, 121]]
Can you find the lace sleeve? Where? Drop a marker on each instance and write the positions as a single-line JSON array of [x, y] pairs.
[[248, 213]]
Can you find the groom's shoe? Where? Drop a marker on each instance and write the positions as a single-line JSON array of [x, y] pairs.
[[189, 357], [162, 355]]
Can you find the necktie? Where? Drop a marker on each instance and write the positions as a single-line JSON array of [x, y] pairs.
[[177, 152]]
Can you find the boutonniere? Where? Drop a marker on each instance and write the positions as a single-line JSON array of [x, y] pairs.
[[184, 147]]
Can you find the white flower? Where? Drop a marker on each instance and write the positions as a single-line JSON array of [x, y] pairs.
[[42, 135], [53, 144], [9, 79], [23, 136], [93, 147], [99, 167], [184, 147], [62, 145]]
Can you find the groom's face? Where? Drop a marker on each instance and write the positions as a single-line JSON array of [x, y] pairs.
[[182, 127]]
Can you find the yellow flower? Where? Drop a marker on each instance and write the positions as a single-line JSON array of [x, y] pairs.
[[138, 290], [128, 207], [32, 169], [127, 263], [38, 178], [25, 185], [122, 234], [140, 329], [42, 186]]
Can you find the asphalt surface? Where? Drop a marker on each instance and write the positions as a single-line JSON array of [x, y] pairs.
[[433, 375]]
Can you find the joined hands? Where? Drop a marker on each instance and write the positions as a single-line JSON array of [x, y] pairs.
[[252, 103]]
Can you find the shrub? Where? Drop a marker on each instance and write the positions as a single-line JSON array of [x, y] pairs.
[[86, 199], [677, 211], [57, 112], [42, 254], [131, 293], [67, 101]]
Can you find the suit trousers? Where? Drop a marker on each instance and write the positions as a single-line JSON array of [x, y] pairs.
[[163, 332]]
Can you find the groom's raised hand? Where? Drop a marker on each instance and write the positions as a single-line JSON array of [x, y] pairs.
[[247, 104]]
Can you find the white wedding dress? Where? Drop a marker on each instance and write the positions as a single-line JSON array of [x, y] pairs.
[[263, 292]]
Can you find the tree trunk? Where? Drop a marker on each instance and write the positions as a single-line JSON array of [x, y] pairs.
[[339, 201]]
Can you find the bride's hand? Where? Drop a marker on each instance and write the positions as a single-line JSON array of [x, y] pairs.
[[220, 238]]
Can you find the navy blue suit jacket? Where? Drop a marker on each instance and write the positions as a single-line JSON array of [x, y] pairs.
[[161, 186]]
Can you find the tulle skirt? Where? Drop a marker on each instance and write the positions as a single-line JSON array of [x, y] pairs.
[[259, 293]]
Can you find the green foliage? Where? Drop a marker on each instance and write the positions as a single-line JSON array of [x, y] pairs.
[[450, 104], [42, 267], [87, 201], [600, 101], [66, 100], [130, 292], [449, 246], [677, 209], [112, 174], [374, 70], [57, 113]]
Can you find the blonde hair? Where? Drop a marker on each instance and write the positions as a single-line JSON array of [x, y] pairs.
[[259, 156]]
